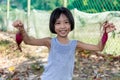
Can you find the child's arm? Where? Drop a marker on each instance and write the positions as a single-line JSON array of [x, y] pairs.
[[29, 40], [107, 27]]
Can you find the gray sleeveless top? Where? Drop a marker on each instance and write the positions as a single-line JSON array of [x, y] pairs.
[[60, 61]]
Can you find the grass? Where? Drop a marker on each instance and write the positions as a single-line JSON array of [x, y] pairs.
[[4, 42]]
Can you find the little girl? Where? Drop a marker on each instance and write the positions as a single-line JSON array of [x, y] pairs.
[[61, 58]]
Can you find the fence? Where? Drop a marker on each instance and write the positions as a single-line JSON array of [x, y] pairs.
[[88, 20]]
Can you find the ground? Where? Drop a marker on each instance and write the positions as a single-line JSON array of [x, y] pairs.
[[28, 64]]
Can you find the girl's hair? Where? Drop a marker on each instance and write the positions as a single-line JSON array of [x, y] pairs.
[[56, 14]]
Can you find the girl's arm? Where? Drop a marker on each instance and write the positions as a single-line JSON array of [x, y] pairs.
[[107, 27], [29, 40]]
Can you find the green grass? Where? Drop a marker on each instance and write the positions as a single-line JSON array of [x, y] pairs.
[[4, 42]]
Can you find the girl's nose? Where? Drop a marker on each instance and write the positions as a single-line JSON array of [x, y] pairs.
[[62, 25]]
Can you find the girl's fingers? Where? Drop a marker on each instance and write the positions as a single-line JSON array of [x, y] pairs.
[[17, 23], [105, 24], [108, 27], [20, 24]]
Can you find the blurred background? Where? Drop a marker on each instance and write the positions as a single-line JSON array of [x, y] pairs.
[[89, 16]]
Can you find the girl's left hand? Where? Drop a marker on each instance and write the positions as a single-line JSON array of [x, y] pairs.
[[108, 27]]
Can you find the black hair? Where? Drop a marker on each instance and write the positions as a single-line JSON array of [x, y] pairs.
[[56, 14]]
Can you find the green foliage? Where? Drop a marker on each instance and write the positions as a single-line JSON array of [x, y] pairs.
[[37, 4], [3, 27], [91, 6], [3, 7], [46, 4], [4, 42], [113, 34], [37, 66], [95, 5]]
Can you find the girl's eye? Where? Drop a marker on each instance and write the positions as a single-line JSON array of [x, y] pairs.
[[66, 22], [57, 23]]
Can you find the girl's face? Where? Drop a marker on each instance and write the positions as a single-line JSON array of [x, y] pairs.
[[62, 26]]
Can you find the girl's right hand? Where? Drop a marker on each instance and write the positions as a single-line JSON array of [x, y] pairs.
[[18, 24], [108, 27]]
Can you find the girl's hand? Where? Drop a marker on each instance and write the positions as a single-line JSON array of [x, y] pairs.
[[18, 24], [108, 27], [19, 37]]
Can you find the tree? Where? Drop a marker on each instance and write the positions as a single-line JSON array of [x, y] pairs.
[[46, 4], [37, 4], [95, 5]]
